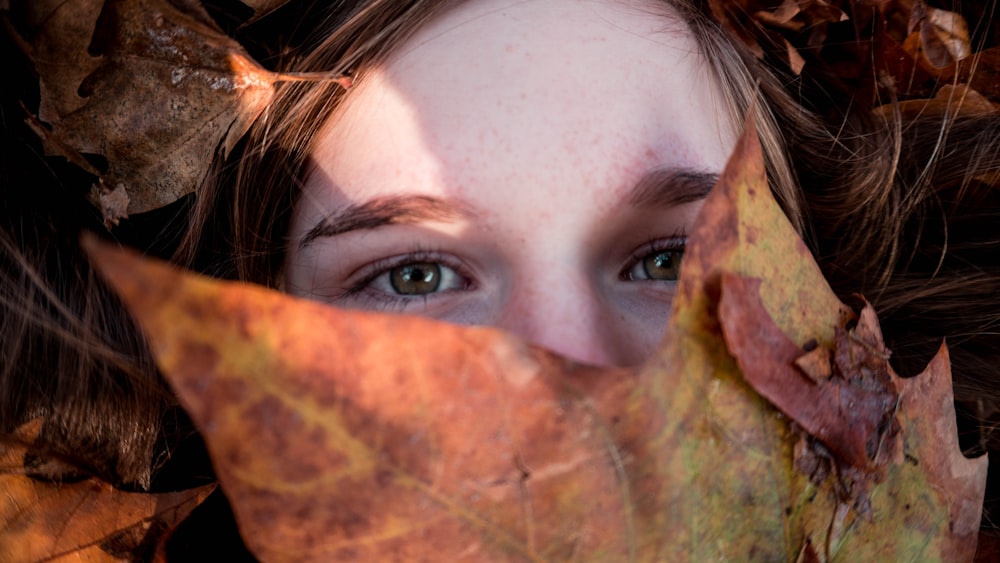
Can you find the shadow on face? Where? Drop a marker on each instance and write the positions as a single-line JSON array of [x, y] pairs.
[[532, 166]]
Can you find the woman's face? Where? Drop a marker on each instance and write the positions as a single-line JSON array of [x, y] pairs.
[[532, 165]]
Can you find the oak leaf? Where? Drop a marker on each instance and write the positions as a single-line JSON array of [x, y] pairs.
[[346, 434], [85, 520], [152, 86]]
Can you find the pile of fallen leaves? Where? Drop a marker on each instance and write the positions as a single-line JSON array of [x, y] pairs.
[[877, 51], [768, 426]]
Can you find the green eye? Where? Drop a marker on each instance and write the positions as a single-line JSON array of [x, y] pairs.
[[663, 265], [657, 265], [419, 278]]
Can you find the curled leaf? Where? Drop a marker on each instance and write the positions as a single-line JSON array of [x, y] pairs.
[[163, 92], [938, 38], [852, 412], [90, 520]]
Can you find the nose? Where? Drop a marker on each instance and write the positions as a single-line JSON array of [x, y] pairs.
[[571, 319]]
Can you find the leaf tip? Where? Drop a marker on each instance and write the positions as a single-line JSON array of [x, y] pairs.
[[137, 282]]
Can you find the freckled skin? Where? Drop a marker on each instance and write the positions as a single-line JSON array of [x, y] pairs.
[[539, 116]]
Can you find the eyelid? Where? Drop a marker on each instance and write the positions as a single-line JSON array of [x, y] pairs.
[[361, 278]]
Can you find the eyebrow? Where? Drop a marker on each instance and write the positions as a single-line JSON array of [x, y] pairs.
[[382, 211], [666, 187], [661, 187]]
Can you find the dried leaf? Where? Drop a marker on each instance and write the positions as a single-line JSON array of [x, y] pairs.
[[794, 59], [392, 437], [165, 91], [782, 15], [757, 23], [938, 38], [815, 364], [951, 101], [982, 73], [262, 8], [60, 54], [88, 520], [851, 413]]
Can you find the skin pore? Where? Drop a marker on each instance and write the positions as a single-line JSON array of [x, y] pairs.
[[532, 165]]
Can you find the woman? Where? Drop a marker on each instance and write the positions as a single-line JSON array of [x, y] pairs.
[[534, 165]]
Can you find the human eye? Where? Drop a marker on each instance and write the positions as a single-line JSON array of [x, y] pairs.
[[658, 260], [398, 281]]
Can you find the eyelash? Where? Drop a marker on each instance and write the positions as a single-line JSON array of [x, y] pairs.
[[382, 300], [676, 242]]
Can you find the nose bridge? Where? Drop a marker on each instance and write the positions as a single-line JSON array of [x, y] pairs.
[[565, 312]]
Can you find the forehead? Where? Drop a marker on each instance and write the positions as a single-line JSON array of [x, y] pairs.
[[561, 93]]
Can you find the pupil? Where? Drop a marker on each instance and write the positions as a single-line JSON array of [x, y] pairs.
[[416, 279], [662, 266]]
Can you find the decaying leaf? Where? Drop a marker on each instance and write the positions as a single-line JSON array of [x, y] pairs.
[[60, 53], [84, 520], [752, 20], [345, 434], [852, 412], [857, 415], [982, 73], [937, 38], [152, 86]]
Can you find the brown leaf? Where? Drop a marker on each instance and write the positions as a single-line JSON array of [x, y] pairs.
[[982, 73], [757, 23], [262, 8], [815, 364], [852, 413], [166, 92], [902, 76], [782, 15], [794, 59], [90, 520], [60, 53], [950, 101], [938, 38], [927, 415], [866, 415]]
